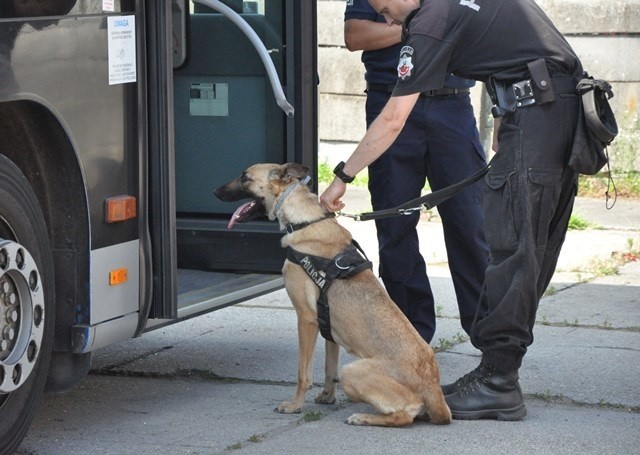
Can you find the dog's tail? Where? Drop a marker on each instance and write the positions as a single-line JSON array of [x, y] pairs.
[[436, 408]]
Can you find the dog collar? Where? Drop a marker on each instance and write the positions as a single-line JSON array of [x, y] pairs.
[[306, 179]]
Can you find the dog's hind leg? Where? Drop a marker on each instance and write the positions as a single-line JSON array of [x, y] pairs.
[[332, 356], [369, 380]]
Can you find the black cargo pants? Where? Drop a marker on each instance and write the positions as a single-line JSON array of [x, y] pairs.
[[529, 195]]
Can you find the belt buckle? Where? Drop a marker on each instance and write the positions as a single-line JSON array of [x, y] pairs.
[[523, 93]]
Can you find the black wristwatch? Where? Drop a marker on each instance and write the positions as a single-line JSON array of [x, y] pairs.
[[338, 171]]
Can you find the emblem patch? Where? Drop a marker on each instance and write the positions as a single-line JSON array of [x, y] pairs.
[[405, 65]]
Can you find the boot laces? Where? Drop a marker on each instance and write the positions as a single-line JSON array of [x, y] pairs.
[[472, 380]]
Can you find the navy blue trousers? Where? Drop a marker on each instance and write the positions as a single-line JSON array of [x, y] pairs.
[[439, 143]]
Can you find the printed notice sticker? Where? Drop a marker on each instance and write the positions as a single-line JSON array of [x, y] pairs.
[[108, 5], [122, 49]]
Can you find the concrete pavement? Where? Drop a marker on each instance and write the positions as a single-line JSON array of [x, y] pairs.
[[210, 385]]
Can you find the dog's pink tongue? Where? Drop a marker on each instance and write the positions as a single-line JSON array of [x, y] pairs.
[[238, 213]]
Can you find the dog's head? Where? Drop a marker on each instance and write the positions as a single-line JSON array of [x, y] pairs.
[[262, 183]]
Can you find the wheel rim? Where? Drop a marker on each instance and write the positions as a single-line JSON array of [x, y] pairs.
[[21, 315]]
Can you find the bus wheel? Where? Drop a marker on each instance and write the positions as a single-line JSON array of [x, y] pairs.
[[26, 305]]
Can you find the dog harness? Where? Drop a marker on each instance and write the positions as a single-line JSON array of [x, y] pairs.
[[349, 263]]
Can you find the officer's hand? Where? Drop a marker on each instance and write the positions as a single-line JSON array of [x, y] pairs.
[[496, 127], [330, 199]]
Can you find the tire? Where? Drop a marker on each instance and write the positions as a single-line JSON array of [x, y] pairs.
[[26, 305]]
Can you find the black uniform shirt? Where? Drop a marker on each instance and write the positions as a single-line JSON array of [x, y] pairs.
[[476, 39]]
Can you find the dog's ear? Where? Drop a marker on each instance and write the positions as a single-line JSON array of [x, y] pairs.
[[288, 171], [295, 170]]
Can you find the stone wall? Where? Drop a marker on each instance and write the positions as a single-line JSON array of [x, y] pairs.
[[604, 33]]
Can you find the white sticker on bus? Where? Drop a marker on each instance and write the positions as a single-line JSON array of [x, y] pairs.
[[122, 49]]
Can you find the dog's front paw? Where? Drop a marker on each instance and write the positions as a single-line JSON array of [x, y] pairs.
[[326, 397], [357, 419], [287, 407]]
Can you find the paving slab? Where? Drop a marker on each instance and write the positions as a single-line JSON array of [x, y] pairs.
[[142, 415], [610, 303]]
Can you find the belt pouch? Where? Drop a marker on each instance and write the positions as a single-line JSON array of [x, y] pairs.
[[543, 88]]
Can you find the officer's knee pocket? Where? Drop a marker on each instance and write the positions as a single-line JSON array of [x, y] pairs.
[[500, 209], [545, 186]]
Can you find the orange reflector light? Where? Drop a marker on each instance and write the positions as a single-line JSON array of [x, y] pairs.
[[120, 208], [118, 276]]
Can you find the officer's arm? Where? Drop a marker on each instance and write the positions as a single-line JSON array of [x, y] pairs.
[[366, 35], [380, 135]]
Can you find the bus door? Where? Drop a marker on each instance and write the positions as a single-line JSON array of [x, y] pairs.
[[226, 118]]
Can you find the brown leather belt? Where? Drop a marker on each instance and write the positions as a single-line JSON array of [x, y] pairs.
[[437, 92]]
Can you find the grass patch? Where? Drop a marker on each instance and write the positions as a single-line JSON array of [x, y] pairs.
[[446, 344], [605, 267], [610, 266], [312, 416], [578, 223], [545, 396], [460, 337]]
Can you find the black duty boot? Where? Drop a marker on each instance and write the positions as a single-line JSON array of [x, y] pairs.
[[487, 394], [448, 389]]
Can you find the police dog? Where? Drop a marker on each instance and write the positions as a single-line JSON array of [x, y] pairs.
[[396, 371]]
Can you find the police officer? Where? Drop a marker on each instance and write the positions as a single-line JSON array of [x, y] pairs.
[[440, 131], [531, 72]]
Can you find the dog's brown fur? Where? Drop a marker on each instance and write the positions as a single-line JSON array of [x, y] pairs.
[[396, 372]]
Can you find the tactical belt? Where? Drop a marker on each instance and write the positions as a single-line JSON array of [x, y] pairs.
[[540, 88], [437, 92], [345, 265]]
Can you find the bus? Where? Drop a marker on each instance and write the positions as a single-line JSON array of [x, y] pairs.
[[118, 118]]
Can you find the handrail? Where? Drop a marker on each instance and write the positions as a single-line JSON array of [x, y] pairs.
[[260, 48]]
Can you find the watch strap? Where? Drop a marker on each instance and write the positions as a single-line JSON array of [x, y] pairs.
[[339, 172]]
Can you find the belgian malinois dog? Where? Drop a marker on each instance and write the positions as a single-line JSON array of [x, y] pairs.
[[396, 371]]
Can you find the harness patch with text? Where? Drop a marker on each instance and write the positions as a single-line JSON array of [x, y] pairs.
[[345, 265]]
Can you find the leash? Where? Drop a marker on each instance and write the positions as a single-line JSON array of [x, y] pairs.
[[426, 202]]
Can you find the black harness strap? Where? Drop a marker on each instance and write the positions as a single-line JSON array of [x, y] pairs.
[[291, 228], [349, 263]]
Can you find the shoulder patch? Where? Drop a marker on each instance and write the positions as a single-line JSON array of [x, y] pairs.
[[405, 64], [471, 4]]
